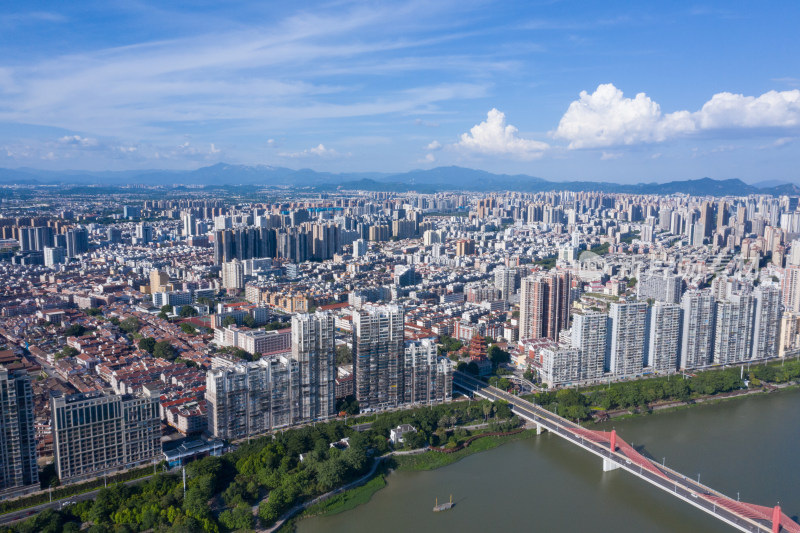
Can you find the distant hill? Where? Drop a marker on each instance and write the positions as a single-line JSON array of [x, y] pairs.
[[431, 180]]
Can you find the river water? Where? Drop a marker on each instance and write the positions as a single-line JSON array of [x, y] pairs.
[[545, 484]]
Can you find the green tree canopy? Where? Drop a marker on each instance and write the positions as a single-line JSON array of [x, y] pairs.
[[165, 350], [75, 330], [188, 311], [147, 344], [130, 325]]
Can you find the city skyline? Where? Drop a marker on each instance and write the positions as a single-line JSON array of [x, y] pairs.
[[600, 93]]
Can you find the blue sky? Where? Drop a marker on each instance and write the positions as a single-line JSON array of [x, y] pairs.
[[617, 91]]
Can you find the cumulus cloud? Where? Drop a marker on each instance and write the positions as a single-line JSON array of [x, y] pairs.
[[607, 118], [494, 137], [429, 158], [317, 151], [434, 145]]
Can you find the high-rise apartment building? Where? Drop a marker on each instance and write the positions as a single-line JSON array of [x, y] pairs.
[[665, 337], [251, 398], [19, 473], [96, 433], [427, 378], [189, 225], [627, 338], [559, 364], [589, 335], [378, 356], [314, 351], [159, 282], [77, 241], [699, 319], [143, 234], [544, 305], [660, 286], [766, 328], [54, 256], [505, 280], [733, 333], [233, 275], [790, 288]]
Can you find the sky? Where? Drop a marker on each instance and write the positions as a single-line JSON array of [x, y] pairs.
[[614, 91]]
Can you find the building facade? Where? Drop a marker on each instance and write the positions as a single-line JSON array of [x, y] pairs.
[[96, 433], [378, 351], [19, 473], [314, 351]]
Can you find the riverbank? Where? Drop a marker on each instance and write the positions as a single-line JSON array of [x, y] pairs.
[[344, 500], [703, 400], [433, 460]]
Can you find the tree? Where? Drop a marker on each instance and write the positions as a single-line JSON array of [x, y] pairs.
[[68, 351], [166, 308], [187, 328], [94, 311], [631, 283], [75, 330], [498, 356], [344, 355], [188, 311], [249, 321], [228, 321], [130, 325], [240, 517], [147, 344], [165, 350]]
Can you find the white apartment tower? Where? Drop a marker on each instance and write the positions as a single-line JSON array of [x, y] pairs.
[[665, 337], [233, 275], [378, 356], [733, 335], [428, 378], [314, 351], [699, 318], [251, 398], [628, 335], [590, 335]]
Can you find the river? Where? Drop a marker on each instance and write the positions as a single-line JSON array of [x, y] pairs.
[[545, 484]]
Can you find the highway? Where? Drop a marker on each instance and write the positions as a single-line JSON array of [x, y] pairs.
[[744, 517]]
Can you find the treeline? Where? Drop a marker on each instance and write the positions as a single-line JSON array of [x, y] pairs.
[[575, 405], [774, 373], [279, 471]]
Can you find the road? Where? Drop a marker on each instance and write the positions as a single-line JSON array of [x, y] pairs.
[[673, 482], [13, 516]]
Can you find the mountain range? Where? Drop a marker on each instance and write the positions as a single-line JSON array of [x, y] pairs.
[[432, 180]]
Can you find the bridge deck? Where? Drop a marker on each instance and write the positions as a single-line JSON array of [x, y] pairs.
[[607, 445]]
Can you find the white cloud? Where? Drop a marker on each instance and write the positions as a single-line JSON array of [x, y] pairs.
[[770, 110], [317, 151], [434, 145], [607, 118], [495, 137], [214, 149], [429, 158], [77, 140], [608, 156]]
